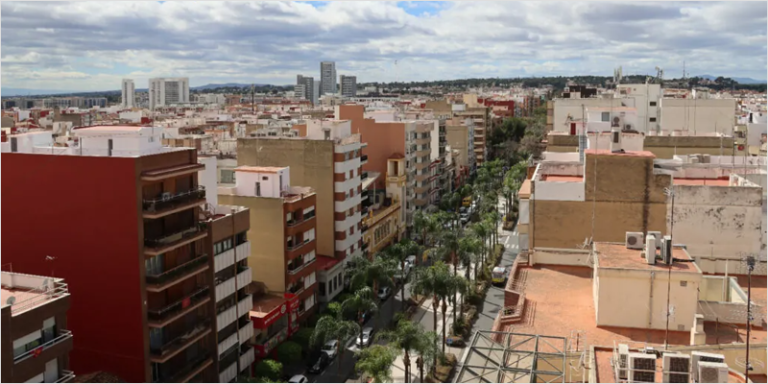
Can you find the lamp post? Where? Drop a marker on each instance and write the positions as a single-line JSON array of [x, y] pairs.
[[671, 193]]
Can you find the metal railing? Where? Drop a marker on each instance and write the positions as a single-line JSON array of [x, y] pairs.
[[292, 223], [178, 306], [177, 271], [66, 377], [187, 369], [297, 289], [300, 267], [174, 237], [171, 201], [64, 335], [39, 295], [292, 247], [180, 340]]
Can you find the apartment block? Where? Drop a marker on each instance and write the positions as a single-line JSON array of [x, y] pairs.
[[168, 91], [328, 78], [284, 225], [348, 86], [36, 341], [479, 119], [128, 98], [325, 156], [461, 139], [137, 231]]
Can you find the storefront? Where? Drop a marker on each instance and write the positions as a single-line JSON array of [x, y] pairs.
[[274, 319]]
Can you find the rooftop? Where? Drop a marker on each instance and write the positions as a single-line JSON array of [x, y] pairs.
[[111, 128], [256, 169], [326, 262], [617, 255], [712, 182], [29, 291], [606, 152], [263, 305], [568, 179]]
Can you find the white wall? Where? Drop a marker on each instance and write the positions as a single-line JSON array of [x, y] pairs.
[[629, 141], [573, 107], [269, 183], [207, 178], [698, 116]]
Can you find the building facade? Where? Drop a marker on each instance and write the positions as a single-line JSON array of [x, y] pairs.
[[168, 91], [35, 341], [327, 77], [348, 86]]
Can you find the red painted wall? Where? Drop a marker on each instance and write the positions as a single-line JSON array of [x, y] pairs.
[[83, 212]]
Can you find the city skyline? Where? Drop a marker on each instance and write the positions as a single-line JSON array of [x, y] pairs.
[[429, 41]]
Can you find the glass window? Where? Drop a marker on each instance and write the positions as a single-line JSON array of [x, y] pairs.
[[606, 116], [321, 289]]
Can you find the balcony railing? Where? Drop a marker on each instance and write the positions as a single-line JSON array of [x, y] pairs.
[[363, 158], [66, 377], [297, 289], [292, 223], [292, 247], [182, 340], [174, 237], [300, 267], [188, 368], [63, 336], [178, 271], [178, 306], [173, 201]]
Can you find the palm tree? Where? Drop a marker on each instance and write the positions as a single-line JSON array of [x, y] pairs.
[[372, 273], [470, 248], [398, 253], [334, 327], [481, 231], [408, 336], [428, 354], [421, 224], [457, 284], [376, 361], [449, 249], [432, 281], [360, 302]]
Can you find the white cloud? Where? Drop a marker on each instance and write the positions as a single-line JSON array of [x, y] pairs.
[[273, 41]]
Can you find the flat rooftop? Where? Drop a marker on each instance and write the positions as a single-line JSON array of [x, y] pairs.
[[111, 128], [617, 255], [263, 305], [29, 291], [255, 169], [606, 152], [567, 179], [713, 182]]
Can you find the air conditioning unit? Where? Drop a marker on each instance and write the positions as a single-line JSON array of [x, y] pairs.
[[615, 140], [617, 121], [623, 361], [710, 372], [628, 127], [699, 357], [650, 249], [676, 367], [635, 240], [666, 249], [642, 368], [657, 235]]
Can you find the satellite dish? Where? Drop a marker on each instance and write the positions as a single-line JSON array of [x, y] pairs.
[[11, 300]]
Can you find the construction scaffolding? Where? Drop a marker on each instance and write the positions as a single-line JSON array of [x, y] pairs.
[[519, 358]]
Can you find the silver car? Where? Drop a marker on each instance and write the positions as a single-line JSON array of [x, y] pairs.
[[367, 337]]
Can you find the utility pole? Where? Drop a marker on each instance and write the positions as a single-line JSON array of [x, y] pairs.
[[252, 99], [750, 268], [671, 193]]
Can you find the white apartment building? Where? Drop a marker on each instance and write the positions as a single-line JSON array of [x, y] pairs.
[[327, 77], [168, 91], [128, 97]]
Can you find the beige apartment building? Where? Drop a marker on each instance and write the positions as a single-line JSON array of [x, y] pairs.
[[325, 156]]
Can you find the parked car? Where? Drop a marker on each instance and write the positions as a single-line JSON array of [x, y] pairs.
[[384, 293], [399, 275], [367, 337], [298, 379], [411, 260], [464, 218], [322, 361], [330, 348]]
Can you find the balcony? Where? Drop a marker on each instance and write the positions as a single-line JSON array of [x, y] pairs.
[[173, 347], [364, 175], [226, 317], [242, 251], [247, 358], [228, 343], [170, 242], [48, 350], [244, 277], [225, 289], [292, 247], [298, 269], [169, 203], [245, 333], [171, 277], [191, 369], [363, 159], [175, 171], [297, 289], [293, 223], [161, 317], [228, 374], [266, 346], [223, 260], [244, 306], [65, 377]]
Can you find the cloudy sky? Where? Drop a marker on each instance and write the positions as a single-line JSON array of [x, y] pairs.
[[92, 45]]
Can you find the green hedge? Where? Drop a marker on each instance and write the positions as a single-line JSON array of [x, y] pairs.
[[270, 369]]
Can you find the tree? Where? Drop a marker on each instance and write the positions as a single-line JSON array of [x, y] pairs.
[[303, 337], [361, 302], [426, 225], [271, 369], [334, 327], [470, 248], [398, 252], [434, 281], [372, 273], [408, 336], [289, 352], [449, 249], [376, 361], [481, 230], [428, 353]]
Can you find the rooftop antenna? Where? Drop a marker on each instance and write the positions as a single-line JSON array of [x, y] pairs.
[[252, 98]]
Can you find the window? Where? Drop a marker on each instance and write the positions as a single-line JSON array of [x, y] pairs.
[[227, 176], [264, 178], [606, 116], [351, 230], [334, 286], [154, 266], [653, 119], [683, 283], [321, 289], [653, 104], [258, 189], [351, 173]]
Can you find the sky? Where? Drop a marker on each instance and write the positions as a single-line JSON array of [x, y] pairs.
[[91, 46]]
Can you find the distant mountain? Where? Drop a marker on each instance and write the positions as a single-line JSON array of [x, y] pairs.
[[740, 80], [227, 85]]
